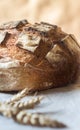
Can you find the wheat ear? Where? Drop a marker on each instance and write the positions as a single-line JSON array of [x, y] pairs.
[[26, 118], [27, 105], [18, 96]]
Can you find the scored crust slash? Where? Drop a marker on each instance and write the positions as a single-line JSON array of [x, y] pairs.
[[38, 56]]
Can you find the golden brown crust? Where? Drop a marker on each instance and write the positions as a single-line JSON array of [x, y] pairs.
[[48, 56]]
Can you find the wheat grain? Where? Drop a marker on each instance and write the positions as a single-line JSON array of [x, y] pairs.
[[6, 109], [17, 113], [18, 96], [25, 118], [27, 105]]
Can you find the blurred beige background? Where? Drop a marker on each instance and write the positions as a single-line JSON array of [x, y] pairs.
[[65, 13]]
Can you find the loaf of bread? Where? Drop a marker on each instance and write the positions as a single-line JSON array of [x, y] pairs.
[[38, 56]]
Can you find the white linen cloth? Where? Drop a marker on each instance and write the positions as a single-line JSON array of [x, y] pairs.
[[62, 104]]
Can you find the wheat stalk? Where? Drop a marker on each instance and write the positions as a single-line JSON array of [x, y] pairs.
[[18, 96], [17, 113], [25, 118], [15, 110], [6, 109], [27, 105]]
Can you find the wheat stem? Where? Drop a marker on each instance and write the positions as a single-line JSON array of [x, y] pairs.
[[18, 96]]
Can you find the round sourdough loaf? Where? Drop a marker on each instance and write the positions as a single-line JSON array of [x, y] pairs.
[[38, 56]]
